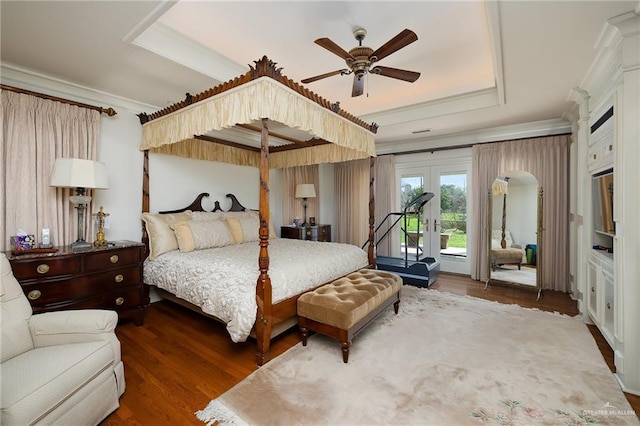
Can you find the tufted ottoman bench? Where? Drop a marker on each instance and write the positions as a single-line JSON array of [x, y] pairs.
[[345, 306], [511, 256]]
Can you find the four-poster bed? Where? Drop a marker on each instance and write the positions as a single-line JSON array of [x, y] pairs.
[[258, 100]]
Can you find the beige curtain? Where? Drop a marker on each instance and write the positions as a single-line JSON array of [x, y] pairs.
[[385, 193], [291, 206], [547, 158], [352, 201], [484, 171], [34, 133]]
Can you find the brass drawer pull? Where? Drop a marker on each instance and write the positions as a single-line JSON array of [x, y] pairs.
[[119, 301], [34, 294], [114, 259], [119, 278], [43, 268]]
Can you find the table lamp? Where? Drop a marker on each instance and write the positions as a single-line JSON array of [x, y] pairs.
[[305, 191], [81, 175]]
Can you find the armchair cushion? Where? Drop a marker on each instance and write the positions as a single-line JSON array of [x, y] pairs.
[[64, 327], [39, 379], [16, 312], [69, 371]]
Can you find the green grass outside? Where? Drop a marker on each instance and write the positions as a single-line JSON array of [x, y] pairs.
[[457, 239]]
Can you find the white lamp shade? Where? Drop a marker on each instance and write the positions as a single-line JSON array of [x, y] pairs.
[[78, 173], [305, 190]]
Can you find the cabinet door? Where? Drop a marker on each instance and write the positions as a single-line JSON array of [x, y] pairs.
[[592, 291], [609, 306]]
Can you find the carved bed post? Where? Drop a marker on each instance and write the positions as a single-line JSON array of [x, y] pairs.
[[263, 286], [372, 213], [145, 198]]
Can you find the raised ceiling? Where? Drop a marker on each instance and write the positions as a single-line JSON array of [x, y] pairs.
[[483, 65]]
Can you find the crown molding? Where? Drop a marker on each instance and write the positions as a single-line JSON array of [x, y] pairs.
[[16, 76], [175, 46], [450, 105], [494, 134]]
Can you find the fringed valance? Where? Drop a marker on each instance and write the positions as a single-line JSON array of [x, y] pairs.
[[175, 132]]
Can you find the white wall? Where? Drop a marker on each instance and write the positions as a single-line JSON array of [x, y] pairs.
[[522, 202]]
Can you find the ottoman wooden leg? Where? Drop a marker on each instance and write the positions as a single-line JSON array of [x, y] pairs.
[[304, 330], [345, 351], [396, 306]]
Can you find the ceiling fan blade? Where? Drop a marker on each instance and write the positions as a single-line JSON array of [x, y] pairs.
[[358, 86], [405, 75], [321, 76], [333, 48], [403, 39]]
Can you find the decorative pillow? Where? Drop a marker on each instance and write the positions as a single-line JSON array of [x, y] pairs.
[[235, 229], [162, 239], [207, 216], [247, 217], [198, 235], [250, 228]]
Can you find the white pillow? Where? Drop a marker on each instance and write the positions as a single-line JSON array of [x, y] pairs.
[[207, 216], [198, 235], [162, 239]]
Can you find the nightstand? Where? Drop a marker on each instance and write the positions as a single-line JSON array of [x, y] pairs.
[[311, 233], [93, 278]]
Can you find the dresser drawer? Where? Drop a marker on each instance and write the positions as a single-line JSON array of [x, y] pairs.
[[119, 301], [60, 291], [111, 258], [45, 267]]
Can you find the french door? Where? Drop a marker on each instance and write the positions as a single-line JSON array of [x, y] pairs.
[[443, 221]]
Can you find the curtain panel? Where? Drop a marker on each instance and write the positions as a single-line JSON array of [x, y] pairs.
[[385, 197], [351, 197], [291, 206], [35, 132], [546, 158]]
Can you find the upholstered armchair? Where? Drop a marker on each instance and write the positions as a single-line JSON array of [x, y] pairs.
[[57, 367]]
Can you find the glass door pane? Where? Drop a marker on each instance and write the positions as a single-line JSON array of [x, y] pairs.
[[449, 219], [453, 214], [411, 234]]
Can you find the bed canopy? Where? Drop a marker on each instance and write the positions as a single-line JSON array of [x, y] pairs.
[[295, 126], [188, 128]]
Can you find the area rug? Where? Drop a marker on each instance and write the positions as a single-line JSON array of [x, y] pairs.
[[525, 276], [443, 360]]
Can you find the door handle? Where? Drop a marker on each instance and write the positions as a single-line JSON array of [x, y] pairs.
[[435, 225], [426, 225]]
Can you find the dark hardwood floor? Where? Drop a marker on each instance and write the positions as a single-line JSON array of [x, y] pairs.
[[179, 360]]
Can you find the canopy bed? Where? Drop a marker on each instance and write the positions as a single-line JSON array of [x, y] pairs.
[[260, 100]]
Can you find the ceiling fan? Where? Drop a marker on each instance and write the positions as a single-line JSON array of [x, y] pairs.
[[361, 59]]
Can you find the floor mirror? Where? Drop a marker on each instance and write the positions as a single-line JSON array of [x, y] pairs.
[[514, 229]]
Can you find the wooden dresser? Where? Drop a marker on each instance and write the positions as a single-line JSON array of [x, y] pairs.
[[312, 233], [98, 278]]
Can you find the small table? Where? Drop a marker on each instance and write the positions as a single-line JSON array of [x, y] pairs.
[[310, 233]]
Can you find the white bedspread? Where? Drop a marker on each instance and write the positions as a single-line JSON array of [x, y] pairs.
[[222, 281]]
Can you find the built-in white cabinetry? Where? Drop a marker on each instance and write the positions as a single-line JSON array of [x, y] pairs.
[[601, 294], [600, 154], [606, 183]]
